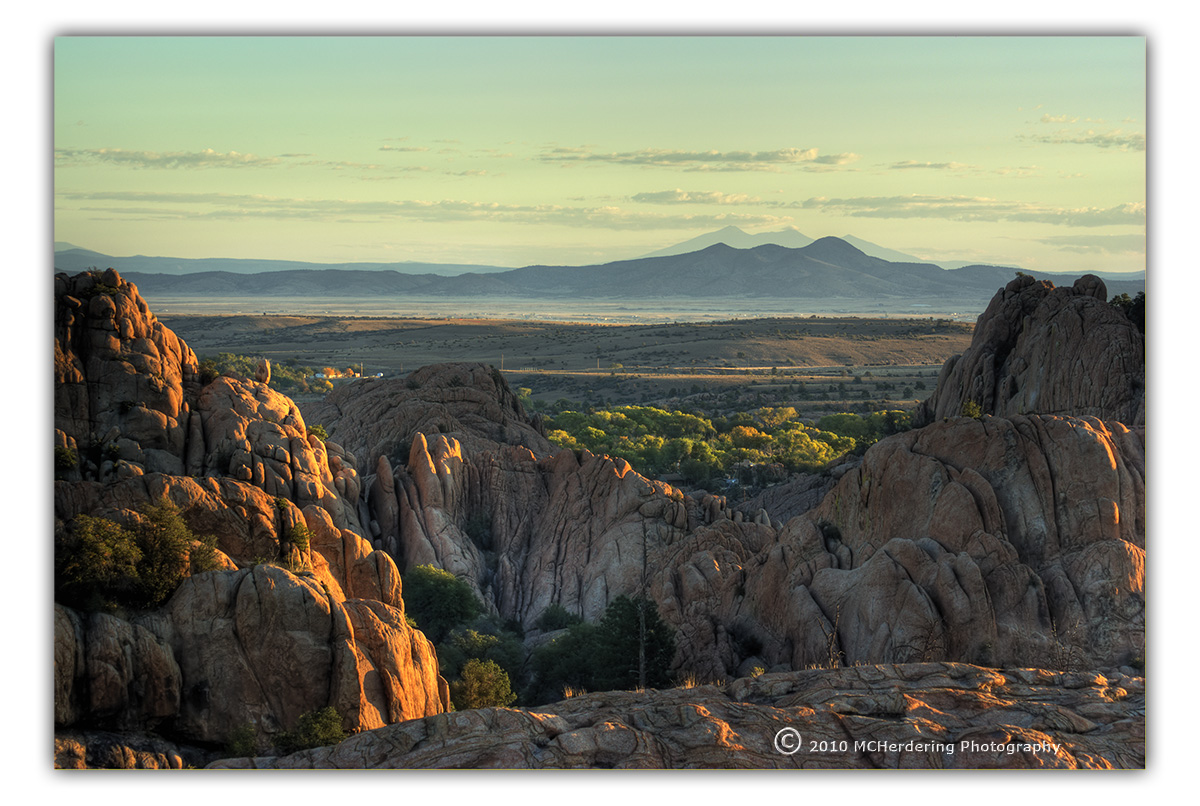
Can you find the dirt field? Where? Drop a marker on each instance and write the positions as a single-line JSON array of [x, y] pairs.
[[770, 359]]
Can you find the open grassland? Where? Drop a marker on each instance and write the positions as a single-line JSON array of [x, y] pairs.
[[809, 362]]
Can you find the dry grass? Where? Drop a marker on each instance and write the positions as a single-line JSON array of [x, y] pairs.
[[576, 361]]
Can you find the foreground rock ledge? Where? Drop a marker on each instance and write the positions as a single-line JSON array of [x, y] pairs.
[[924, 715]]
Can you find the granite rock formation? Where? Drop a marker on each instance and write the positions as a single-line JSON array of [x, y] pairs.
[[923, 716], [1039, 349], [1001, 541], [301, 611], [1012, 540]]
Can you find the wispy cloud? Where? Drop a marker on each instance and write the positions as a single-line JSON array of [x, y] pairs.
[[678, 196], [1117, 139], [340, 165], [937, 166], [208, 158], [976, 208], [403, 148], [1097, 244], [223, 206], [1058, 119], [703, 160]]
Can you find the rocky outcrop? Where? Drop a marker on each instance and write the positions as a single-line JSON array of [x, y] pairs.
[[793, 497], [109, 669], [377, 417], [129, 401], [303, 611], [257, 647], [262, 646], [1039, 349], [1023, 530], [121, 379], [1000, 541], [916, 716], [1006, 541], [575, 531], [127, 750]]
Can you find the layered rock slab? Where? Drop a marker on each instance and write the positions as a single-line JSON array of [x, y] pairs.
[[922, 716]]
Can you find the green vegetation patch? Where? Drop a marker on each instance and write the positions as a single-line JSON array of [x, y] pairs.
[[286, 377], [319, 728], [102, 565], [656, 442], [630, 647]]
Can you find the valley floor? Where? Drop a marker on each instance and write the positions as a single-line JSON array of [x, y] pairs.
[[876, 359]]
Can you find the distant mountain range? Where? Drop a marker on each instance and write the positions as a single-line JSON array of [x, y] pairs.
[[738, 239], [825, 268], [794, 238], [73, 259]]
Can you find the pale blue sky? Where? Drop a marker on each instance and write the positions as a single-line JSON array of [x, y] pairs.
[[512, 150]]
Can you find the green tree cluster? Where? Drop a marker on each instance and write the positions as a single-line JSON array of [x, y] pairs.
[[655, 441], [482, 684], [631, 646], [438, 601], [102, 565], [318, 728], [286, 376], [1132, 307], [476, 655]]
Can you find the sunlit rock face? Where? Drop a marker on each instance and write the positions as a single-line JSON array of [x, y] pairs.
[[129, 401], [282, 626]]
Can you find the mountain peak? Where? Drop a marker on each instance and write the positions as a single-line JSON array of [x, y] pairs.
[[832, 246]]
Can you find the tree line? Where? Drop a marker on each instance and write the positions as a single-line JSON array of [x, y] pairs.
[[657, 442]]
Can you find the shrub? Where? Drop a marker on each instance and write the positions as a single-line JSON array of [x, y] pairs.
[[605, 656], [97, 565], [299, 536], [556, 617], [483, 685], [1133, 307], [439, 601], [65, 458], [243, 742], [971, 409], [166, 543], [315, 729], [483, 642], [204, 554], [319, 432], [100, 564], [208, 371]]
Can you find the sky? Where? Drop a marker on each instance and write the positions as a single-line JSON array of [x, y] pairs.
[[510, 150]]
